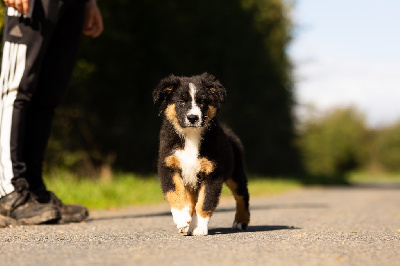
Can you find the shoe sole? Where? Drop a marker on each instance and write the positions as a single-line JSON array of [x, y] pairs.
[[75, 218], [44, 217], [6, 221]]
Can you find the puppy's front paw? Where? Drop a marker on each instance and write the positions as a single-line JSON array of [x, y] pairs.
[[200, 231], [199, 226], [182, 219], [239, 226], [183, 230]]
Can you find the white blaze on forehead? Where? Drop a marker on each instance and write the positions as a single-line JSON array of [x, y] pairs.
[[192, 90], [195, 110]]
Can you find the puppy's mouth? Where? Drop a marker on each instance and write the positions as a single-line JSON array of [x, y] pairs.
[[193, 126]]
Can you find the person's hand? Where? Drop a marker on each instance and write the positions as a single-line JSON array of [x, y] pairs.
[[22, 6], [93, 23]]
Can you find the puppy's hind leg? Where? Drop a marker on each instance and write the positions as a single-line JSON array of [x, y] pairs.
[[241, 195]]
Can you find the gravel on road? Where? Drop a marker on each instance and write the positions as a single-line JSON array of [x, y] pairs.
[[312, 226]]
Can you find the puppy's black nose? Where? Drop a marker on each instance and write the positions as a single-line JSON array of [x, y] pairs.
[[193, 118]]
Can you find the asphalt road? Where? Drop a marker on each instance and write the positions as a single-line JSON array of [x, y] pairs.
[[320, 226]]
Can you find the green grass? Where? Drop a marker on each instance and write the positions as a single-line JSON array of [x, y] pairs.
[[359, 177], [266, 187], [129, 189], [122, 190]]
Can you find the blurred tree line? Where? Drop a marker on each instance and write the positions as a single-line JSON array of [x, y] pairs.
[[338, 141], [108, 120]]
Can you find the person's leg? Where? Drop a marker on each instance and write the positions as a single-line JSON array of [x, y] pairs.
[[56, 72], [26, 46], [25, 42]]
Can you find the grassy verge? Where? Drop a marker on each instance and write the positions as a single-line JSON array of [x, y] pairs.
[[129, 189], [267, 187], [122, 190], [358, 177]]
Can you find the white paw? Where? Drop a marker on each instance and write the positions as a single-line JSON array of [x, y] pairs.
[[182, 219], [200, 231], [199, 226], [237, 226], [183, 230]]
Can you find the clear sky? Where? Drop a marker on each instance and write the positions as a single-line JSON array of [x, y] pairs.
[[347, 52]]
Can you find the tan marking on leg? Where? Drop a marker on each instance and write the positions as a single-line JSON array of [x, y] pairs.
[[242, 214], [177, 198], [211, 112], [192, 198], [200, 203], [173, 162], [206, 166], [170, 114]]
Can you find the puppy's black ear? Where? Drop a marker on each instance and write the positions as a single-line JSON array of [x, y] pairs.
[[165, 88], [216, 89]]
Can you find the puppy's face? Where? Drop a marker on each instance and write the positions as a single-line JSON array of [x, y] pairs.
[[189, 102]]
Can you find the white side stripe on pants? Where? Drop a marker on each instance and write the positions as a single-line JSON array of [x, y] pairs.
[[12, 69]]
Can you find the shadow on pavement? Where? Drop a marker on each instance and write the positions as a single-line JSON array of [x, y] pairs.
[[132, 216], [250, 229], [279, 206], [221, 209]]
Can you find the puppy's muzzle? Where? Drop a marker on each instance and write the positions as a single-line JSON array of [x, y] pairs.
[[193, 119]]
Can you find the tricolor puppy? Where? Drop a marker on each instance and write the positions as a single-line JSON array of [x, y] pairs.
[[197, 154]]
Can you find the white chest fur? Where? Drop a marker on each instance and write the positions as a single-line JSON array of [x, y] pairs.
[[189, 157]]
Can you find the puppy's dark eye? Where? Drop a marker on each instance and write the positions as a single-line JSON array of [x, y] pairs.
[[169, 89], [202, 102], [181, 102]]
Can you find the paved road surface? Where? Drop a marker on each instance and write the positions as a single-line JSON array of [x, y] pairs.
[[320, 226]]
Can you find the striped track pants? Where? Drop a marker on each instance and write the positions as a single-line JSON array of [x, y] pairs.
[[38, 57]]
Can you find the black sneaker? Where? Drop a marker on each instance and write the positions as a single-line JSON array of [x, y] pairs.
[[70, 213], [22, 206]]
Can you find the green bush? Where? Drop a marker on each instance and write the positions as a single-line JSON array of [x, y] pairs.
[[388, 148], [333, 143]]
